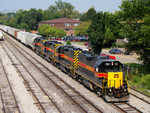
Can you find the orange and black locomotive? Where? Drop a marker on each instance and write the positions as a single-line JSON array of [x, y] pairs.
[[100, 73]]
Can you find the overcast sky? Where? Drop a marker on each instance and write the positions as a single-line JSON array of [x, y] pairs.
[[81, 5]]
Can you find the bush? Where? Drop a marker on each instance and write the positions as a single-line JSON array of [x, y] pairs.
[[114, 45], [135, 79], [68, 42], [145, 81], [120, 45]]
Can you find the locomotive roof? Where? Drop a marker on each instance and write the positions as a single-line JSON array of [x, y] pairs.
[[100, 61], [53, 42]]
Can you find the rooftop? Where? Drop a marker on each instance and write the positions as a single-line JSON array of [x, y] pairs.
[[61, 20]]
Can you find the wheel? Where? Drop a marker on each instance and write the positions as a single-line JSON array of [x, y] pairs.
[[69, 73], [92, 86], [74, 76], [99, 92], [58, 66], [79, 79]]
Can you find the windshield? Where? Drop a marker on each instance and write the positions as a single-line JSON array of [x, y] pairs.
[[111, 67]]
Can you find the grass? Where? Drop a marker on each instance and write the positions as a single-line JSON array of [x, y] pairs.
[[139, 88], [139, 79]]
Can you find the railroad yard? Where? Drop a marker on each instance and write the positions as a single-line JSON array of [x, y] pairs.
[[30, 84]]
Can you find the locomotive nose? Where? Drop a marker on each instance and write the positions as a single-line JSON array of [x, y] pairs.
[[115, 79]]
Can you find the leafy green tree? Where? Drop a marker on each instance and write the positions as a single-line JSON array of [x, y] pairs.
[[3, 19], [12, 22], [48, 15], [47, 31], [89, 15], [109, 36], [112, 26], [32, 18], [42, 29], [68, 42], [23, 26], [96, 32], [60, 33], [136, 27], [50, 32], [63, 8], [19, 15], [81, 29]]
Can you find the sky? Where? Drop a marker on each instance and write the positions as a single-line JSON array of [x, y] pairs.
[[80, 5]]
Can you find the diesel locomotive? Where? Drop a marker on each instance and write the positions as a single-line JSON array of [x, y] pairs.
[[101, 73]]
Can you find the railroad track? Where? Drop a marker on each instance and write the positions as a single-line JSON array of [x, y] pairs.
[[8, 98], [143, 97], [82, 103], [34, 88], [127, 108]]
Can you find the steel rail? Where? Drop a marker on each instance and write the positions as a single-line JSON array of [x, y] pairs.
[[29, 85], [58, 78]]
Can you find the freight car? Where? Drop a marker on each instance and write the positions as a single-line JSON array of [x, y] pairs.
[[101, 74], [1, 37]]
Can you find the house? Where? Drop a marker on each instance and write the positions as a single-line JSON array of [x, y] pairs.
[[63, 23]]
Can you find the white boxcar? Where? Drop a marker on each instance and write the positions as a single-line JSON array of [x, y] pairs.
[[11, 31], [22, 36], [30, 39], [6, 28], [1, 36]]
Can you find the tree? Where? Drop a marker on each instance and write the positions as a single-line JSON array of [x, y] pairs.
[[112, 27], [12, 22], [81, 29], [63, 8], [47, 31], [136, 27], [89, 15], [60, 33], [32, 18], [49, 15], [68, 42], [42, 29], [23, 26], [109, 36], [3, 19], [96, 32]]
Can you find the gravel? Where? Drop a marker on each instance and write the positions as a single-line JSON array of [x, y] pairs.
[[24, 98], [27, 102]]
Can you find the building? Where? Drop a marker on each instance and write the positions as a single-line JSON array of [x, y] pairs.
[[62, 23]]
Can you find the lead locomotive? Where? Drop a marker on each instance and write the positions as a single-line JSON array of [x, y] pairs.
[[100, 73]]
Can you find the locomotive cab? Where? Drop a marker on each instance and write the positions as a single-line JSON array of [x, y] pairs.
[[115, 86]]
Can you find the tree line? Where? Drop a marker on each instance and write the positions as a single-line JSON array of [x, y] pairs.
[[103, 28], [29, 19], [131, 22]]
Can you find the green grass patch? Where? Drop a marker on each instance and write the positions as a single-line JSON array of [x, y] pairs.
[[139, 77], [107, 48], [139, 87]]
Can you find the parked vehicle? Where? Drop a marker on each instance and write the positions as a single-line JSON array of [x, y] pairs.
[[87, 43], [115, 51]]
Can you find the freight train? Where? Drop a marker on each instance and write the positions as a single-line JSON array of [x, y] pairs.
[[100, 73]]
